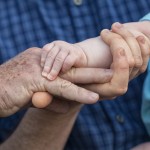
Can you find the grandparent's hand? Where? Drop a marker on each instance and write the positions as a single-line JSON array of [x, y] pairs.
[[21, 77]]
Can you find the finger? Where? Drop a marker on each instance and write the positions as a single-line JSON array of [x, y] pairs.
[[68, 90], [49, 60], [112, 39], [145, 51], [76, 58], [132, 43], [41, 99], [119, 82], [68, 63], [58, 63], [88, 75], [45, 51]]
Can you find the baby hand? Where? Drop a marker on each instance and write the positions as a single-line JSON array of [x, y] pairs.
[[61, 56]]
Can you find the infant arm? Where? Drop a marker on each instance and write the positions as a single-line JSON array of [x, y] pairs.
[[61, 56], [97, 52]]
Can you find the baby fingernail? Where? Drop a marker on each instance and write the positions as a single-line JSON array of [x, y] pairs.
[[50, 77], [44, 74], [106, 31]]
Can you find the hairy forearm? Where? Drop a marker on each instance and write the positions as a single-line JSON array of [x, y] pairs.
[[42, 129]]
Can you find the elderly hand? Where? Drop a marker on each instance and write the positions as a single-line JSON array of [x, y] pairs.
[[21, 77]]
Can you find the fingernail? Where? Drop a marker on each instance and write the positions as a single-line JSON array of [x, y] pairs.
[[44, 74], [106, 31], [118, 25], [50, 77], [94, 96]]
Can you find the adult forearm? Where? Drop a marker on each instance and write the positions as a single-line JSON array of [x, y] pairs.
[[41, 129]]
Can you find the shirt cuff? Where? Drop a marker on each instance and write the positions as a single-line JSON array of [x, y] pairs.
[[146, 17]]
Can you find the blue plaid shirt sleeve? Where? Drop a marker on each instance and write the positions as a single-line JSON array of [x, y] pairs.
[[106, 125]]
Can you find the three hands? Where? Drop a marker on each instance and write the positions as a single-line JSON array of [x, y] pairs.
[[23, 75]]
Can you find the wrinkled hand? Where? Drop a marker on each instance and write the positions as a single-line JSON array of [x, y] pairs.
[[21, 77]]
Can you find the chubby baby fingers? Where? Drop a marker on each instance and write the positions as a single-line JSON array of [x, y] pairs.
[[45, 50]]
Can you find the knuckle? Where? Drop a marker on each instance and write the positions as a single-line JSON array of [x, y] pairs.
[[59, 59], [105, 76], [71, 73], [67, 65], [51, 55], [115, 38], [65, 84]]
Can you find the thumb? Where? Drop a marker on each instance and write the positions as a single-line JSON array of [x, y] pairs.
[[66, 89], [41, 99]]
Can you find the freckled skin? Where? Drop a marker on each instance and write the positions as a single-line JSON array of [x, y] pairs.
[[17, 82], [21, 77]]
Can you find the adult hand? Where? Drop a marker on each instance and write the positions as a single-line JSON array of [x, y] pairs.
[[136, 47], [21, 77]]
